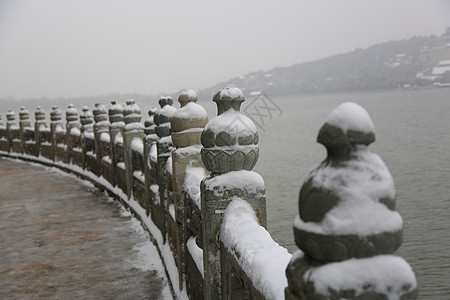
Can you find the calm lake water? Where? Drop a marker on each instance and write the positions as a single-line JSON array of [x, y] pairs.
[[413, 139]]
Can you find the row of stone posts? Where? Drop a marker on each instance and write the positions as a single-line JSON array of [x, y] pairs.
[[347, 227]]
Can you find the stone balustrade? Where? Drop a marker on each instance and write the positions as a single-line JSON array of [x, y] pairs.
[[190, 182]]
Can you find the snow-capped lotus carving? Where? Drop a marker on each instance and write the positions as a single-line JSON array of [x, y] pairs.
[[132, 112], [149, 123], [162, 117], [86, 116], [115, 112], [71, 114], [347, 224], [24, 117], [230, 140], [188, 121], [55, 115], [346, 205]]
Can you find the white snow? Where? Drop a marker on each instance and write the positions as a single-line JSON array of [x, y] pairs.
[[360, 183], [232, 92], [196, 254], [137, 145], [135, 126], [118, 139], [155, 189], [189, 150], [172, 211], [382, 273], [89, 135], [243, 179], [153, 153], [169, 165], [139, 175], [263, 260], [166, 140], [232, 122], [167, 111], [74, 131], [351, 116], [104, 137], [189, 93], [192, 179], [191, 111]]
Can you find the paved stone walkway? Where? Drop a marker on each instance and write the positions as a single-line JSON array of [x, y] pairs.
[[60, 239]]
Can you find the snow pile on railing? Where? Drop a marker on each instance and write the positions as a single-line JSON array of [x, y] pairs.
[[262, 259]]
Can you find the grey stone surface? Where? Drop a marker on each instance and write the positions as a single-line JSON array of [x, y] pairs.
[[64, 240]]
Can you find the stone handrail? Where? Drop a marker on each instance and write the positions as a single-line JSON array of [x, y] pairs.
[[191, 184]]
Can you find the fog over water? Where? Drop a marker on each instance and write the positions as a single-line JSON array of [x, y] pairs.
[[84, 48]]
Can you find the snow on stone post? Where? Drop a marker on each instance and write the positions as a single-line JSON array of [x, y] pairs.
[[187, 124], [133, 130], [24, 125], [101, 126], [230, 151], [72, 128], [39, 126], [149, 157], [347, 225], [87, 131], [116, 129], [163, 146], [10, 126], [56, 125]]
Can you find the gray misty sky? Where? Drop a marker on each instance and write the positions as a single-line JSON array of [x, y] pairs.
[[81, 48]]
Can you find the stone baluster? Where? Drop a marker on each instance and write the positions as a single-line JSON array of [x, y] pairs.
[[24, 124], [133, 129], [86, 120], [347, 225], [164, 146], [116, 129], [10, 119], [230, 151], [1, 121], [187, 124], [10, 126], [39, 126], [73, 126], [87, 129], [101, 126], [149, 124], [56, 124], [150, 157]]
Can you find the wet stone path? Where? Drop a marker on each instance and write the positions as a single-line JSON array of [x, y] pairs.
[[61, 239]]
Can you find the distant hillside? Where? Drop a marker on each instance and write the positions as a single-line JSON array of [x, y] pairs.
[[393, 64]]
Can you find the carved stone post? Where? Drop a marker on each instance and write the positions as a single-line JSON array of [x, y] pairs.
[[101, 126], [87, 131], [116, 128], [25, 127], [164, 147], [10, 126], [73, 126], [3, 136], [39, 126], [56, 125], [187, 124], [347, 224], [133, 129], [150, 159], [230, 151]]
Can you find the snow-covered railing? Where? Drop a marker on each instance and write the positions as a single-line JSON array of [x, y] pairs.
[[204, 207]]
